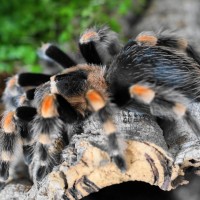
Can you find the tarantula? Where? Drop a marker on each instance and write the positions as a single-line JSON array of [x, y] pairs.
[[156, 73], [28, 111]]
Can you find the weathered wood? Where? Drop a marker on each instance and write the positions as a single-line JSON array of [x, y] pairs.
[[16, 190], [87, 167]]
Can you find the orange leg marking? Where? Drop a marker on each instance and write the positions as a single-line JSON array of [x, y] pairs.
[[8, 124], [95, 99], [87, 36], [149, 39], [142, 93], [48, 107], [109, 127], [179, 109], [12, 82]]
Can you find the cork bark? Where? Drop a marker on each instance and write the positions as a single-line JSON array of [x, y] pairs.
[[159, 155], [151, 156]]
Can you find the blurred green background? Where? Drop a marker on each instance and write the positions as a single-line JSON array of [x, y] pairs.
[[25, 24]]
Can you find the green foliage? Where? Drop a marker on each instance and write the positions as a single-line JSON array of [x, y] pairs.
[[26, 24]]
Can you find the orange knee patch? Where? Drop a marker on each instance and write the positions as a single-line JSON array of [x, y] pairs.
[[148, 39], [109, 127], [182, 43], [48, 107], [87, 36], [179, 109], [95, 100], [44, 139], [12, 82], [143, 93], [6, 156], [7, 123]]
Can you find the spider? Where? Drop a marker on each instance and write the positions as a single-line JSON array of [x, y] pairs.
[[152, 73], [168, 39], [38, 117], [155, 74]]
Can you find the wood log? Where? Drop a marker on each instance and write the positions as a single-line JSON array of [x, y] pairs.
[[16, 189], [151, 157]]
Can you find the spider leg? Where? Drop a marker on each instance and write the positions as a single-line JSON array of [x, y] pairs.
[[10, 141], [24, 116], [12, 93], [49, 128], [192, 52], [28, 151], [162, 39], [164, 102], [20, 89], [30, 94], [32, 79], [46, 156], [168, 39], [180, 43], [57, 55], [99, 45], [99, 105], [67, 113]]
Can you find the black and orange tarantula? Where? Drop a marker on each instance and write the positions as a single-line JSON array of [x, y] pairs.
[[155, 73], [41, 125]]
